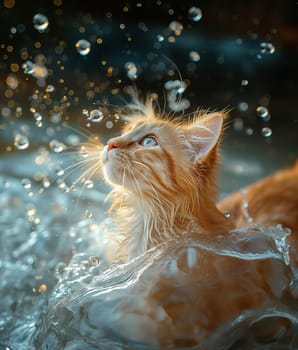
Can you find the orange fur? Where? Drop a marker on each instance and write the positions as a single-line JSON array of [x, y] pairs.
[[164, 191]]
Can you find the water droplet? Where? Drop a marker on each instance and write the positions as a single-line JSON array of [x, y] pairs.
[[262, 112], [96, 116], [194, 56], [266, 131], [89, 184], [178, 86], [40, 22], [85, 112], [46, 183], [73, 140], [26, 183], [57, 146], [50, 88], [195, 14], [160, 38], [249, 131], [243, 106], [59, 172], [267, 48], [88, 214], [84, 153], [131, 70], [37, 116], [238, 124], [42, 288], [180, 105], [21, 142], [109, 124], [83, 47], [93, 261], [28, 67], [176, 27], [244, 82]]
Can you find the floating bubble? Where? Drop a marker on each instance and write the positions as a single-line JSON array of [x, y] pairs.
[[96, 116], [38, 70], [83, 151], [93, 261], [178, 85], [266, 131], [195, 14], [160, 38], [267, 48], [57, 146], [26, 183], [244, 82], [46, 183], [37, 116], [28, 67], [194, 56], [73, 140], [109, 124], [243, 106], [176, 27], [88, 184], [238, 124], [12, 81], [85, 112], [83, 47], [40, 22], [59, 172], [131, 70], [88, 214], [262, 112], [50, 88], [21, 142], [180, 105]]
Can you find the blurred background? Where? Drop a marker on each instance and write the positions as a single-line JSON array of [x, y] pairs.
[[61, 60]]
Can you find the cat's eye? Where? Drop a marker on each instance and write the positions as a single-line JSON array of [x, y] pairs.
[[148, 141]]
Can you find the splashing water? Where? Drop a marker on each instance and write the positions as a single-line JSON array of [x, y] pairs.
[[195, 14], [176, 27], [21, 142]]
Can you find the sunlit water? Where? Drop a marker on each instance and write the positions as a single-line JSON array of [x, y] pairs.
[[58, 293]]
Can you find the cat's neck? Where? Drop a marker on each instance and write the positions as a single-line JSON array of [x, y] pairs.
[[141, 225]]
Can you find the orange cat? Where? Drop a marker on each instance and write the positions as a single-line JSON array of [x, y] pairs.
[[163, 178], [207, 285]]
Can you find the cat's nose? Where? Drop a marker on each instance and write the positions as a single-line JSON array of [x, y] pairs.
[[113, 144]]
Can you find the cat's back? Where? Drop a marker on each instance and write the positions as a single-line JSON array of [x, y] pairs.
[[271, 201]]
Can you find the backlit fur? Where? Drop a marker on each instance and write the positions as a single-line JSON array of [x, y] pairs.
[[165, 191]]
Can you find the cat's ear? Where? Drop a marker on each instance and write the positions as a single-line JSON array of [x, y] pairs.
[[204, 133]]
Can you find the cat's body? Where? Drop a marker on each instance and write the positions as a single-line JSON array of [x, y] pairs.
[[163, 179]]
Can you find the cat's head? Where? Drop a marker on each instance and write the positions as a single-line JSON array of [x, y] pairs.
[[158, 157]]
